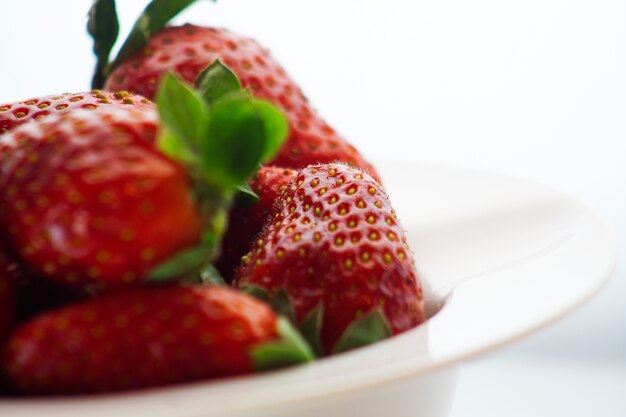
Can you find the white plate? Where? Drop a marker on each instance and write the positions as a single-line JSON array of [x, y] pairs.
[[505, 256]]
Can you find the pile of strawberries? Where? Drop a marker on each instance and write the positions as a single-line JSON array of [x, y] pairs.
[[191, 217]]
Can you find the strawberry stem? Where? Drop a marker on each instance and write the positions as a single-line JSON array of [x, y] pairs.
[[103, 27]]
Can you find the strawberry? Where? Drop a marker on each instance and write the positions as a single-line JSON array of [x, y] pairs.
[[88, 198], [189, 49], [114, 196], [336, 244], [147, 337], [246, 223], [18, 113]]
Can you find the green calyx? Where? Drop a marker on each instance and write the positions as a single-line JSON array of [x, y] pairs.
[[311, 325], [103, 27], [371, 328], [279, 301], [245, 196], [289, 349], [221, 136], [311, 328]]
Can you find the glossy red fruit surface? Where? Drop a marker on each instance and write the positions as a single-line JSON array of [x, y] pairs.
[[189, 49], [89, 201], [18, 113], [337, 241], [141, 338]]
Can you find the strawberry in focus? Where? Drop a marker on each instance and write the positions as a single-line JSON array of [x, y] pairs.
[[246, 223], [143, 338], [336, 243], [89, 201], [188, 50], [18, 113]]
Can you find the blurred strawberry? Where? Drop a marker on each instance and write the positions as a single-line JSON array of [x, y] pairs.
[[18, 113], [113, 196], [148, 337], [90, 201]]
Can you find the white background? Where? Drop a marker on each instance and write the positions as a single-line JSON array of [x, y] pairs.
[[534, 88]]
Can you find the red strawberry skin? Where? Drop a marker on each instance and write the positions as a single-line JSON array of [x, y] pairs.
[[141, 338], [89, 201], [189, 49], [18, 113], [336, 240], [245, 224]]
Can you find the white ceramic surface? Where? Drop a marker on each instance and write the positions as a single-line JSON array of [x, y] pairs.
[[500, 258]]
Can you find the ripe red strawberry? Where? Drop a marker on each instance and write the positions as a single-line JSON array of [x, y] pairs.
[[246, 223], [88, 200], [189, 49], [336, 241], [141, 338], [15, 114]]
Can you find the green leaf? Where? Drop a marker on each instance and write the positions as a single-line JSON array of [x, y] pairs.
[[282, 305], [235, 142], [182, 110], [245, 197], [279, 301], [290, 349], [369, 329], [276, 128], [154, 18], [179, 265], [172, 145], [257, 292], [103, 27], [211, 276], [311, 328], [216, 81]]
